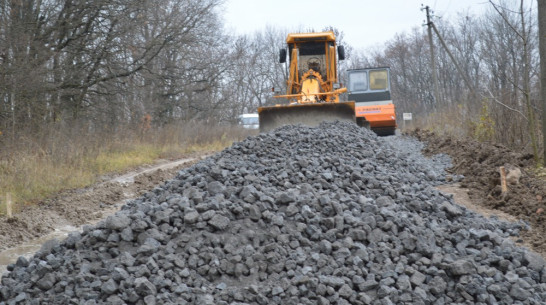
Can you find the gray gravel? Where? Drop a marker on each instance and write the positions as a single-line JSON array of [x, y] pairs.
[[327, 215]]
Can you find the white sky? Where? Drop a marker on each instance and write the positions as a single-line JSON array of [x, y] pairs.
[[365, 23]]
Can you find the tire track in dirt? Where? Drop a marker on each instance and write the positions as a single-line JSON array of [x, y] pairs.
[[55, 217]]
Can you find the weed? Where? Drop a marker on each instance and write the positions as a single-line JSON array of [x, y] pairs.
[[484, 128], [38, 167]]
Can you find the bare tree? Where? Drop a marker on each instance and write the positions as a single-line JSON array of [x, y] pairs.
[[522, 29], [78, 61], [499, 66], [542, 44]]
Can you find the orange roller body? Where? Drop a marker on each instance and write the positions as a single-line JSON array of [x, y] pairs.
[[378, 115], [369, 88]]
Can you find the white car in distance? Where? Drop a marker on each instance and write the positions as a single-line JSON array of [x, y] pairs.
[[249, 120]]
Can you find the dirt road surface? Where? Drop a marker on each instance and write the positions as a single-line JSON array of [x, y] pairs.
[[56, 217]]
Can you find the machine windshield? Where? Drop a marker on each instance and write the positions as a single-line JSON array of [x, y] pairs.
[[358, 81], [378, 80], [311, 55]]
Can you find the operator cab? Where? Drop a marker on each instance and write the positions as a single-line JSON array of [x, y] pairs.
[[369, 85], [312, 55], [370, 89]]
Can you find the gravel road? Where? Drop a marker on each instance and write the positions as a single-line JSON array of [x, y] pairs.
[[326, 215]]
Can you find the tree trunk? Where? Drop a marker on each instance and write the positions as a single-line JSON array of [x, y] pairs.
[[542, 50], [527, 84]]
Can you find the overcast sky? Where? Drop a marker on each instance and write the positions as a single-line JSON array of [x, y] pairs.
[[365, 23]]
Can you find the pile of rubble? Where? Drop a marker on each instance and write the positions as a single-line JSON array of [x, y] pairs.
[[326, 215]]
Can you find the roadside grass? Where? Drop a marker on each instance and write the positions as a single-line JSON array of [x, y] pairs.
[[39, 167], [454, 121]]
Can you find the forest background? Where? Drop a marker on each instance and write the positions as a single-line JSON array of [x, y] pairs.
[[94, 86]]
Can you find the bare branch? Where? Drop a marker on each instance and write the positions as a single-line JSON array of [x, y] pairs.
[[493, 98], [506, 19]]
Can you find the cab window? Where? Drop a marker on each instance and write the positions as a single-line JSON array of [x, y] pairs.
[[358, 81], [378, 80]]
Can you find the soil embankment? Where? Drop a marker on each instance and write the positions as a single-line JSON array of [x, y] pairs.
[[480, 163]]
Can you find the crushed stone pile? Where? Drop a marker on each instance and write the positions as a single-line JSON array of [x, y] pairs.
[[326, 215]]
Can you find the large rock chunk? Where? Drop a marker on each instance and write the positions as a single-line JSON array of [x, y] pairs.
[[215, 187], [117, 222], [533, 261], [219, 222], [46, 282], [109, 287], [143, 287], [462, 267]]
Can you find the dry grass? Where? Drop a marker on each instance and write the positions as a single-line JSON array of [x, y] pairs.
[[482, 120], [35, 168], [485, 122], [456, 121]]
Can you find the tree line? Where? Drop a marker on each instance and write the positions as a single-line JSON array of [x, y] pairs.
[[104, 64], [498, 55]]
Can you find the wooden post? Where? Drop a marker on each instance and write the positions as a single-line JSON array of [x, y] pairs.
[[9, 211], [432, 59], [503, 180]]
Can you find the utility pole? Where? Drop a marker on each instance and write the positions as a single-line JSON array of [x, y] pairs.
[[432, 57], [461, 72]]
